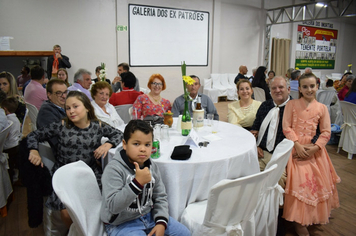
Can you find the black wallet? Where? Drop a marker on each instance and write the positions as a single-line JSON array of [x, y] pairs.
[[182, 152]]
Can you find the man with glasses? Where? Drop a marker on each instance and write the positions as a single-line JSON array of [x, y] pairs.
[[206, 103], [52, 110]]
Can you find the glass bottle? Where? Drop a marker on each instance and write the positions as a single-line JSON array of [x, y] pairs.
[[198, 104], [186, 125]]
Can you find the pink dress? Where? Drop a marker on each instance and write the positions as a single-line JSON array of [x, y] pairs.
[[310, 192], [144, 106]]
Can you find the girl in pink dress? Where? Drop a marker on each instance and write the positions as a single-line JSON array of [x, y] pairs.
[[310, 191]]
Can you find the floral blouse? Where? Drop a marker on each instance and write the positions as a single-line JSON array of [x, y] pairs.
[[145, 107]]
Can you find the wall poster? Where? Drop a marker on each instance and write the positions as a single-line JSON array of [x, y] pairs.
[[316, 47]]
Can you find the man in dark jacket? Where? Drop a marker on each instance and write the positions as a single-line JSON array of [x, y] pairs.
[[56, 61]]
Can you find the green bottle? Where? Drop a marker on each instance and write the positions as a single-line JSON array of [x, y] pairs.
[[186, 120]]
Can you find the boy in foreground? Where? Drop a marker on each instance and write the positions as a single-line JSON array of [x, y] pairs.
[[134, 196]]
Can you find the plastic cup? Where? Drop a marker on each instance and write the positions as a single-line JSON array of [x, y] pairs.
[[210, 118]]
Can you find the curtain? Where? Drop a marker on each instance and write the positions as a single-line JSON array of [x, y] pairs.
[[280, 56]]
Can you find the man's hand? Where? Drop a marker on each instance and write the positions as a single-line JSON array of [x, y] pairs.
[[158, 230], [116, 79], [58, 55], [260, 152], [255, 133], [142, 176], [35, 158]]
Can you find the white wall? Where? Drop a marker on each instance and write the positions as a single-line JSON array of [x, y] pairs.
[[86, 30]]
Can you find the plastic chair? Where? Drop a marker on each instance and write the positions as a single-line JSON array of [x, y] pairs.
[[5, 182], [32, 112], [348, 135], [259, 94], [213, 94], [76, 186], [266, 217], [123, 111], [229, 209]]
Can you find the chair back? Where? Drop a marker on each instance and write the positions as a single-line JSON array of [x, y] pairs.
[[23, 121], [207, 83], [266, 216], [232, 79], [3, 135], [123, 111], [5, 182], [46, 154], [348, 134], [259, 94], [325, 97], [76, 186], [32, 112], [224, 80], [231, 202]]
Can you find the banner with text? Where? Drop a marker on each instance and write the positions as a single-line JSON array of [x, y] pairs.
[[162, 36], [316, 47]]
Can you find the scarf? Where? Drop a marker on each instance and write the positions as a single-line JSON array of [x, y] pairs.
[[272, 119]]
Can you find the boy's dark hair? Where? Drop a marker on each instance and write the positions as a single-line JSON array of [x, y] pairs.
[[329, 83], [10, 103], [37, 73], [2, 96], [134, 125], [128, 79]]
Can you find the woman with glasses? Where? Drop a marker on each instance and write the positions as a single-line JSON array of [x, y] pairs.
[[152, 103]]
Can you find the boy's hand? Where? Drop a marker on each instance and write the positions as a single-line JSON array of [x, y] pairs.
[[35, 158], [158, 230], [142, 176]]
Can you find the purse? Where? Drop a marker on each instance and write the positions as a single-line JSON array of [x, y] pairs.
[[182, 152]]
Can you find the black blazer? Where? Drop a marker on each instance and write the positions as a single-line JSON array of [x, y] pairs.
[[63, 63]]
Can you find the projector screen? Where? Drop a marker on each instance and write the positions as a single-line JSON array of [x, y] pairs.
[[160, 36]]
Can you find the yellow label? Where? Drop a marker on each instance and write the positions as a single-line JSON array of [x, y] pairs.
[[186, 125]]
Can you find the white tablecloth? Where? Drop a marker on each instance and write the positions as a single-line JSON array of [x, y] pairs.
[[233, 155]]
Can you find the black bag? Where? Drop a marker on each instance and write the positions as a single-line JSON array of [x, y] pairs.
[[153, 120], [182, 152]]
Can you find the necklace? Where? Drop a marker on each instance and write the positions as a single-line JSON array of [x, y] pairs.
[[156, 100]]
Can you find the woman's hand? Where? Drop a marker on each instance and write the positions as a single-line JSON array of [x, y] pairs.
[[300, 150], [35, 158], [102, 150]]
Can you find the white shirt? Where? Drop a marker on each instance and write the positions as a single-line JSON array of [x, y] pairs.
[[14, 136], [111, 117]]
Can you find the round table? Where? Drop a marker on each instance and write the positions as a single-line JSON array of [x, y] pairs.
[[231, 153]]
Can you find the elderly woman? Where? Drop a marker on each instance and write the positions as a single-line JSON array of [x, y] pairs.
[[104, 111], [271, 74], [243, 112], [8, 84], [62, 74], [152, 103]]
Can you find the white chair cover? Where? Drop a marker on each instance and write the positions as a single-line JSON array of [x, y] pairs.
[[294, 94], [271, 196], [348, 134], [231, 90], [213, 94], [5, 182], [32, 112], [76, 186], [259, 94], [217, 85], [145, 90], [232, 79], [23, 121], [229, 209], [325, 97], [336, 114], [123, 111]]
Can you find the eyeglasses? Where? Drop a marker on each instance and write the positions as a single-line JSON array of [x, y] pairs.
[[157, 84], [60, 94]]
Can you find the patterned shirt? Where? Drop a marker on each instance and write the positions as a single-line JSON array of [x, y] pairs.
[[145, 107]]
